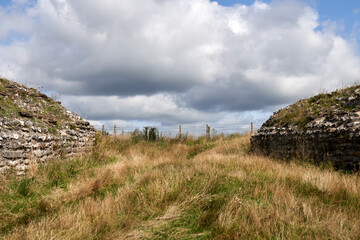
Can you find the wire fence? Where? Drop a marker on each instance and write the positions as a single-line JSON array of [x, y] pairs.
[[187, 129]]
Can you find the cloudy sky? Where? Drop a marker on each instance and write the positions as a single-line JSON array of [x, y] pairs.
[[190, 62]]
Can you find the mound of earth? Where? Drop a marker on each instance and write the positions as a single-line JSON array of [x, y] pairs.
[[35, 127], [325, 127]]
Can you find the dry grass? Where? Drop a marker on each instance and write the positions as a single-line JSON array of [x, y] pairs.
[[131, 189]]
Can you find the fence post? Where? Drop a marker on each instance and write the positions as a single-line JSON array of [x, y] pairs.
[[115, 129], [179, 131], [252, 128], [103, 130], [207, 131], [147, 133]]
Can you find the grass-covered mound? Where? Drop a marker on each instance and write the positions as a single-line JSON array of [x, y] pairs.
[[128, 188], [28, 104], [299, 114]]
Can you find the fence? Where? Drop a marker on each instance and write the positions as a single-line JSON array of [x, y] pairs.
[[194, 130]]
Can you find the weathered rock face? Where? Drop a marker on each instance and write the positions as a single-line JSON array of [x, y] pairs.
[[35, 128], [323, 128]]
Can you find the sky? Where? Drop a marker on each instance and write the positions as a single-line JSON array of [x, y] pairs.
[[190, 62]]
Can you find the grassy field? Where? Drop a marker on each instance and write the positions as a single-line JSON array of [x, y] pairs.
[[128, 188]]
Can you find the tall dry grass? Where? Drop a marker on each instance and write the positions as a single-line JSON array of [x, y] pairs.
[[194, 189]]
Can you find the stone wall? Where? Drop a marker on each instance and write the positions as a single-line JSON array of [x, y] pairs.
[[36, 128], [22, 142], [334, 138]]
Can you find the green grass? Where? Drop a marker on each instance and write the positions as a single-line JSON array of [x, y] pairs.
[[8, 108], [22, 199], [4, 81], [302, 112], [174, 189], [53, 131]]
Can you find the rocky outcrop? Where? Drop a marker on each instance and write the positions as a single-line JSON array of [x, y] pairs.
[[323, 128], [35, 128]]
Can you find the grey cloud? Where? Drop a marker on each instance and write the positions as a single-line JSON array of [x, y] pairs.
[[170, 61], [240, 94], [157, 108]]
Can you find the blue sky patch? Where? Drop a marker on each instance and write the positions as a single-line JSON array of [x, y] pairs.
[[346, 14]]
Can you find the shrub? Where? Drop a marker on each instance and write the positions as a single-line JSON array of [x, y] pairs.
[[151, 133]]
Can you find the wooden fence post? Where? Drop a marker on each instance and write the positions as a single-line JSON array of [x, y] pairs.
[[103, 130], [180, 131], [252, 128], [115, 129], [207, 131], [147, 133]]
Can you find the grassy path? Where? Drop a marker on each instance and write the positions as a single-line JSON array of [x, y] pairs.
[[195, 189]]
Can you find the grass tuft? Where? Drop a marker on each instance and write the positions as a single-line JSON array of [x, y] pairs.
[[179, 189]]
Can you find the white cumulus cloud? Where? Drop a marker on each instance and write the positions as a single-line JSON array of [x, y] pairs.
[[173, 61]]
